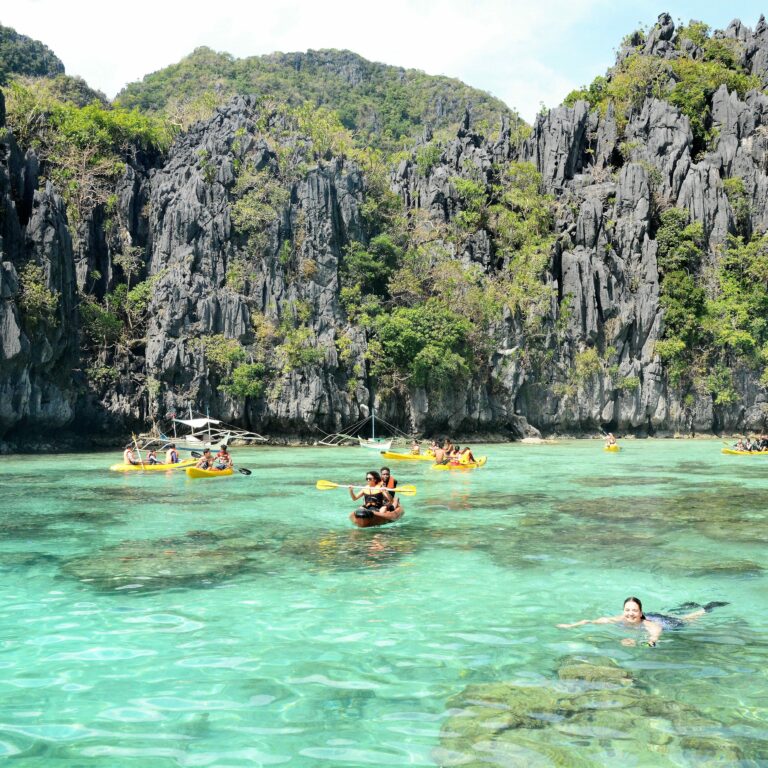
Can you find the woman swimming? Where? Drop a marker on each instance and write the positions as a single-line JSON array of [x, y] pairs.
[[652, 623]]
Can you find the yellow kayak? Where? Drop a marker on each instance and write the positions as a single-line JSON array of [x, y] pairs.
[[196, 472], [612, 448], [734, 452], [151, 467], [428, 456], [471, 465]]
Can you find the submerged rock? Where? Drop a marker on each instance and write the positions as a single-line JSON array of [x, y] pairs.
[[604, 710], [199, 558]]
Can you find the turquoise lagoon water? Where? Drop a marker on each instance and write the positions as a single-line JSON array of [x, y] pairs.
[[151, 620]]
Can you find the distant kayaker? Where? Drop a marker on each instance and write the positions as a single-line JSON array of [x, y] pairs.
[[131, 455], [415, 448], [610, 439], [172, 455], [467, 457], [653, 623], [223, 459], [206, 460]]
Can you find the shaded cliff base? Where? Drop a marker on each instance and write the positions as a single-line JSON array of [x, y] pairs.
[[69, 442]]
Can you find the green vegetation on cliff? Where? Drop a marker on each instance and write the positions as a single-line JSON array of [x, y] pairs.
[[383, 105], [82, 149], [21, 55], [684, 81], [715, 316]]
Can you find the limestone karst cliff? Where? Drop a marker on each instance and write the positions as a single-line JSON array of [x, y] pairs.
[[283, 279]]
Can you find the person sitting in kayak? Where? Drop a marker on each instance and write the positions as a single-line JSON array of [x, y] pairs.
[[375, 496], [652, 623], [172, 455], [439, 452], [388, 482], [467, 457], [415, 448], [152, 457], [223, 459], [610, 439], [131, 455], [206, 460]]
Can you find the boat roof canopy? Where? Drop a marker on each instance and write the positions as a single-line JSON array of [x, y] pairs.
[[197, 423]]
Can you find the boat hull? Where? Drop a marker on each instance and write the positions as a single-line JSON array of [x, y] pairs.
[[479, 463], [196, 472], [152, 467], [393, 456], [734, 452], [375, 445], [612, 448]]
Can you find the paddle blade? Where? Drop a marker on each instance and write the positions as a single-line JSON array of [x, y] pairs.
[[406, 490], [244, 471], [325, 485], [196, 455]]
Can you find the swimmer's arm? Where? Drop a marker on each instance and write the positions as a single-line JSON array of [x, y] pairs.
[[601, 620], [654, 630]]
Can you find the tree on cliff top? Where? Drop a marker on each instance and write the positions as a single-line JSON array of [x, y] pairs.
[[381, 103], [21, 55]]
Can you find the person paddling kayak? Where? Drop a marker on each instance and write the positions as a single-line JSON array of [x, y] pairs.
[[378, 507]]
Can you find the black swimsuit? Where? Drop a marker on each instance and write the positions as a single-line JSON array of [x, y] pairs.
[[373, 503], [667, 622]]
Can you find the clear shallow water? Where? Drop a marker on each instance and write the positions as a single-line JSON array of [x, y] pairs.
[[157, 621]]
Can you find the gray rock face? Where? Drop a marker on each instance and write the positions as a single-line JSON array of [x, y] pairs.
[[194, 244], [36, 357], [610, 184], [557, 144]]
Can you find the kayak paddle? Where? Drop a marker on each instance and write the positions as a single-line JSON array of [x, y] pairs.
[[403, 490]]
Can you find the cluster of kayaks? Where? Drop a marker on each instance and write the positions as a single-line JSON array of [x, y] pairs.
[[429, 456]]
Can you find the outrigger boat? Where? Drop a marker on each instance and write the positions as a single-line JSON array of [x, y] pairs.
[[352, 435], [204, 432]]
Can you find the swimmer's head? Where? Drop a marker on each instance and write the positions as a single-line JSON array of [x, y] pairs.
[[633, 610]]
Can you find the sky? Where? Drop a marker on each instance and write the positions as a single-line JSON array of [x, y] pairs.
[[529, 54]]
